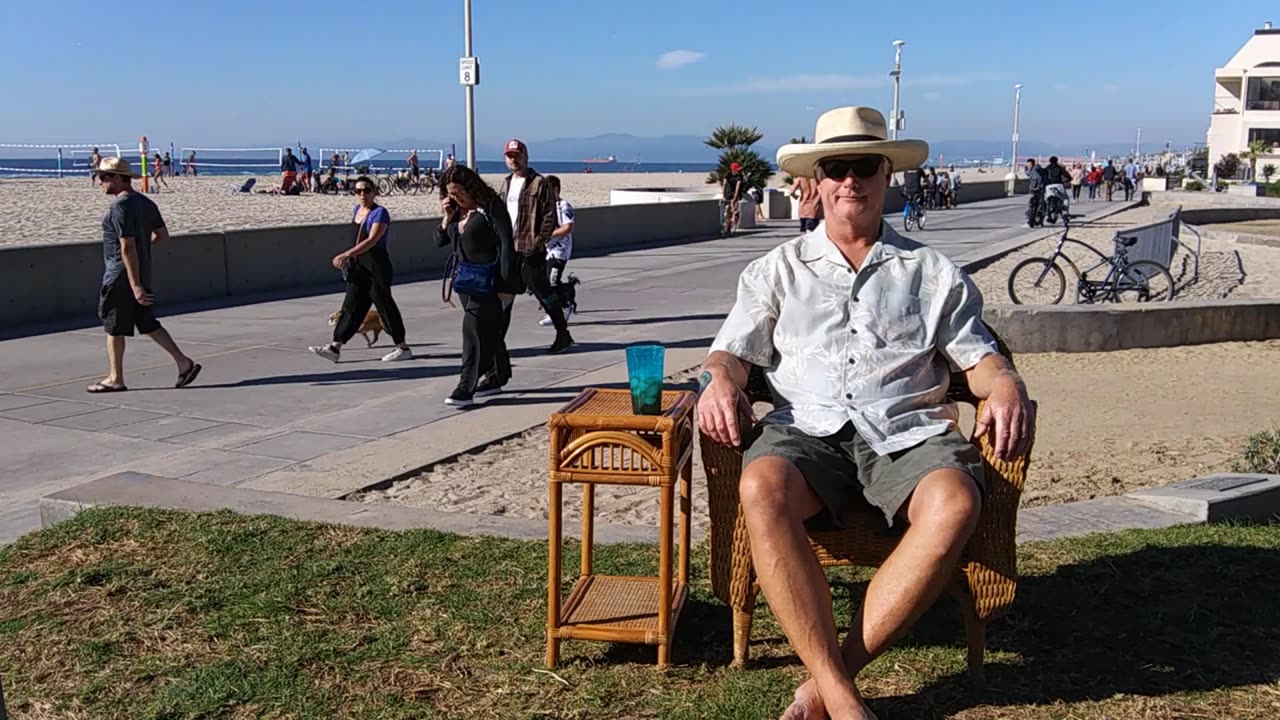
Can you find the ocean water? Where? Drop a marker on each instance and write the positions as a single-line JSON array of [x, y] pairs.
[[43, 167]]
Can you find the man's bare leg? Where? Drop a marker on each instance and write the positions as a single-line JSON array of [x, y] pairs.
[[164, 340], [943, 512], [115, 360], [776, 500]]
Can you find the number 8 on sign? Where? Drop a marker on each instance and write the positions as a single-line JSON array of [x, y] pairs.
[[468, 71]]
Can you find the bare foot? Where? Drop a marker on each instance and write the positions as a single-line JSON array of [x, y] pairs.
[[807, 704]]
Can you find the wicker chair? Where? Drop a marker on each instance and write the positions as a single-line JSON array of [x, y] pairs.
[[984, 582]]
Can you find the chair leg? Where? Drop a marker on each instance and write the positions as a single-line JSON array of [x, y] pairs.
[[975, 631], [742, 632]]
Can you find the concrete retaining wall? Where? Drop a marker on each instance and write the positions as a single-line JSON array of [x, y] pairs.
[[60, 283], [1209, 216], [1076, 328]]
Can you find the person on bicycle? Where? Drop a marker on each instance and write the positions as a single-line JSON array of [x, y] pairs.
[[911, 185], [1057, 178], [733, 186], [1038, 180]]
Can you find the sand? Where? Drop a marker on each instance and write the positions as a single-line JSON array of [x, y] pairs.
[[1109, 423], [51, 210], [1228, 268]]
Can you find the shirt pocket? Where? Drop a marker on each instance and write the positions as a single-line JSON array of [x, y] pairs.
[[901, 320]]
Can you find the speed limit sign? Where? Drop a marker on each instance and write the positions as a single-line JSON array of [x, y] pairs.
[[468, 71]]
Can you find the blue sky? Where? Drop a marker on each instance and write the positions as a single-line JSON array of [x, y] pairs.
[[215, 72]]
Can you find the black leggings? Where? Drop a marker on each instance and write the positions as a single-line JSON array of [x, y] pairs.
[[537, 278], [369, 283], [482, 326]]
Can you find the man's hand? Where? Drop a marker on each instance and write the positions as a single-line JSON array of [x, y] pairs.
[[142, 296], [1009, 413], [721, 407], [339, 259]]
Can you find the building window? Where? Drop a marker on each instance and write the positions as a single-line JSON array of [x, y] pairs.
[[1263, 94], [1269, 136]]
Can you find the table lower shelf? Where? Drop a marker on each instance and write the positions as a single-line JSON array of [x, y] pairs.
[[617, 608]]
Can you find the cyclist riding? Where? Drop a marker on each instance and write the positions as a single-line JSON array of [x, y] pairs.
[[1057, 179], [734, 185], [912, 185], [1038, 180]]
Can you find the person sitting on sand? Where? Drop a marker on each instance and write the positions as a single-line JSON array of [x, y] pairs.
[[855, 327]]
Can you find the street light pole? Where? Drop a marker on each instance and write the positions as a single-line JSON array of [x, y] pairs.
[[470, 89], [896, 74], [1138, 148], [1017, 104]]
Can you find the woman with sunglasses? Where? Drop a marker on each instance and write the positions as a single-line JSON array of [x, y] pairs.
[[477, 224], [366, 267]]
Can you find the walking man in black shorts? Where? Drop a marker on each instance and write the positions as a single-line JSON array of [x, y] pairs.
[[129, 227]]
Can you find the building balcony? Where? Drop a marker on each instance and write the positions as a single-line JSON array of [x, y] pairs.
[[1264, 105]]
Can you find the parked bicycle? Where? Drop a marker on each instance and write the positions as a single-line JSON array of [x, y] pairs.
[[1041, 281], [913, 213]]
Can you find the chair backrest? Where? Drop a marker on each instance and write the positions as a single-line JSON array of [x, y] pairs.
[[1157, 242], [758, 389]]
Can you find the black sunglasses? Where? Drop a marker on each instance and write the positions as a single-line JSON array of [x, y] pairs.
[[363, 189], [839, 168]]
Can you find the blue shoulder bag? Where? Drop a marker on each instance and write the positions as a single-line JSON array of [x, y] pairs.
[[473, 279]]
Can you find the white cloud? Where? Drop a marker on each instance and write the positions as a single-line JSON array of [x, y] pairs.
[[810, 82], [677, 58]]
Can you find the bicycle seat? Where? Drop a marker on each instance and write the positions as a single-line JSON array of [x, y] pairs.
[[1126, 241]]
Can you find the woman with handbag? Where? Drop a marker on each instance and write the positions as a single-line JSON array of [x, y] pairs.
[[367, 270], [487, 275]]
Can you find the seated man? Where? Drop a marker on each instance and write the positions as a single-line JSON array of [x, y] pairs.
[[857, 329]]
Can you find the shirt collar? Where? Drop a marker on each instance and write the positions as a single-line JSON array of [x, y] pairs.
[[815, 245]]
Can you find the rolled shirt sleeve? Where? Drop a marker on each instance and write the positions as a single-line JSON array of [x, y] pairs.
[[747, 332], [962, 336]]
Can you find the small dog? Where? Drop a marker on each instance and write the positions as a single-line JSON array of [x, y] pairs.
[[567, 292], [372, 324]]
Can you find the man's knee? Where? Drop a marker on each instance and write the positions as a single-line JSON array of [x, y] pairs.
[[771, 486], [946, 501]]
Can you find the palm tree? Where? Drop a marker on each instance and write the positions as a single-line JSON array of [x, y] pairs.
[[1256, 148], [734, 142]]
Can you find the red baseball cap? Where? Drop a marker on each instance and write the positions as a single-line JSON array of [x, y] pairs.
[[735, 167], [515, 147]]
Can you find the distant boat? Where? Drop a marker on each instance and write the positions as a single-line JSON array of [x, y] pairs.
[[602, 161]]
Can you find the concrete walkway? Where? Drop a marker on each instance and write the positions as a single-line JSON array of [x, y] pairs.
[[267, 415]]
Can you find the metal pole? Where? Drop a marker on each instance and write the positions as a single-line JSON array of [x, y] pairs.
[[1017, 102], [1138, 148], [59, 162], [897, 86], [471, 91]]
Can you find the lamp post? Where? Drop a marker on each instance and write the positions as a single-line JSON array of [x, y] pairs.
[[1137, 149], [470, 86], [1017, 104], [896, 74]]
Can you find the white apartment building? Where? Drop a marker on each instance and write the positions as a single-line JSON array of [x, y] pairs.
[[1246, 100]]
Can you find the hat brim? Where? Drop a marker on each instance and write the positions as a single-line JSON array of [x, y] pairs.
[[130, 174], [799, 160]]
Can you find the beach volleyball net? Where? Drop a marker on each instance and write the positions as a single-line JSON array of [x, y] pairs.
[[388, 160], [54, 159], [247, 161]]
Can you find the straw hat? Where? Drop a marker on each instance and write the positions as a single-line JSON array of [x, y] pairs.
[[116, 166], [853, 130]]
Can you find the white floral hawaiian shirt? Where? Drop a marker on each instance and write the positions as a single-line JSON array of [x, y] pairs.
[[874, 347]]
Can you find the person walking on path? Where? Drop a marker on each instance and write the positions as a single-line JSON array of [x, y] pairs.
[[1109, 179], [559, 250], [805, 190], [367, 269], [1077, 180], [531, 203], [476, 223], [129, 227]]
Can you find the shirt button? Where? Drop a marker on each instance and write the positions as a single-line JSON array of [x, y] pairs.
[[851, 360], [848, 396]]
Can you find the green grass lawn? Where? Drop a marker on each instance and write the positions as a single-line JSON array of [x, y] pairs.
[[123, 613]]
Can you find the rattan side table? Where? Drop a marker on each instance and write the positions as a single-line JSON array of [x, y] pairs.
[[597, 439]]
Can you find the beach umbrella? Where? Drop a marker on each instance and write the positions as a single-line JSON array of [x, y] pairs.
[[366, 155]]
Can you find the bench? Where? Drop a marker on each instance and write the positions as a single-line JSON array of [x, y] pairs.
[[1159, 241]]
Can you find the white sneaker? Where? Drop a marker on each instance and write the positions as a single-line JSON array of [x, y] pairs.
[[398, 354], [545, 321], [325, 351]]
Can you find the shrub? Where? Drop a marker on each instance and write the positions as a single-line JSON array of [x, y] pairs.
[[1261, 453], [1195, 186]]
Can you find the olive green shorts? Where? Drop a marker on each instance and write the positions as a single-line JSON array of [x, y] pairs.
[[846, 474]]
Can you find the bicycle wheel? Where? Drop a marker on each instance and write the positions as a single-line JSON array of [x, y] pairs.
[[386, 185], [1037, 281], [1143, 281], [908, 219], [920, 220]]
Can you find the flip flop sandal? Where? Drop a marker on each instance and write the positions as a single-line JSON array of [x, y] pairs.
[[101, 387], [185, 379]]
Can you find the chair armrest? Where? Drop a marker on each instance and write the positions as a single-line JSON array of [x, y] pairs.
[[728, 546], [991, 566]]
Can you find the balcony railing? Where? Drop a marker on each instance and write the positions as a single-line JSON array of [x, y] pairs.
[[1262, 105]]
